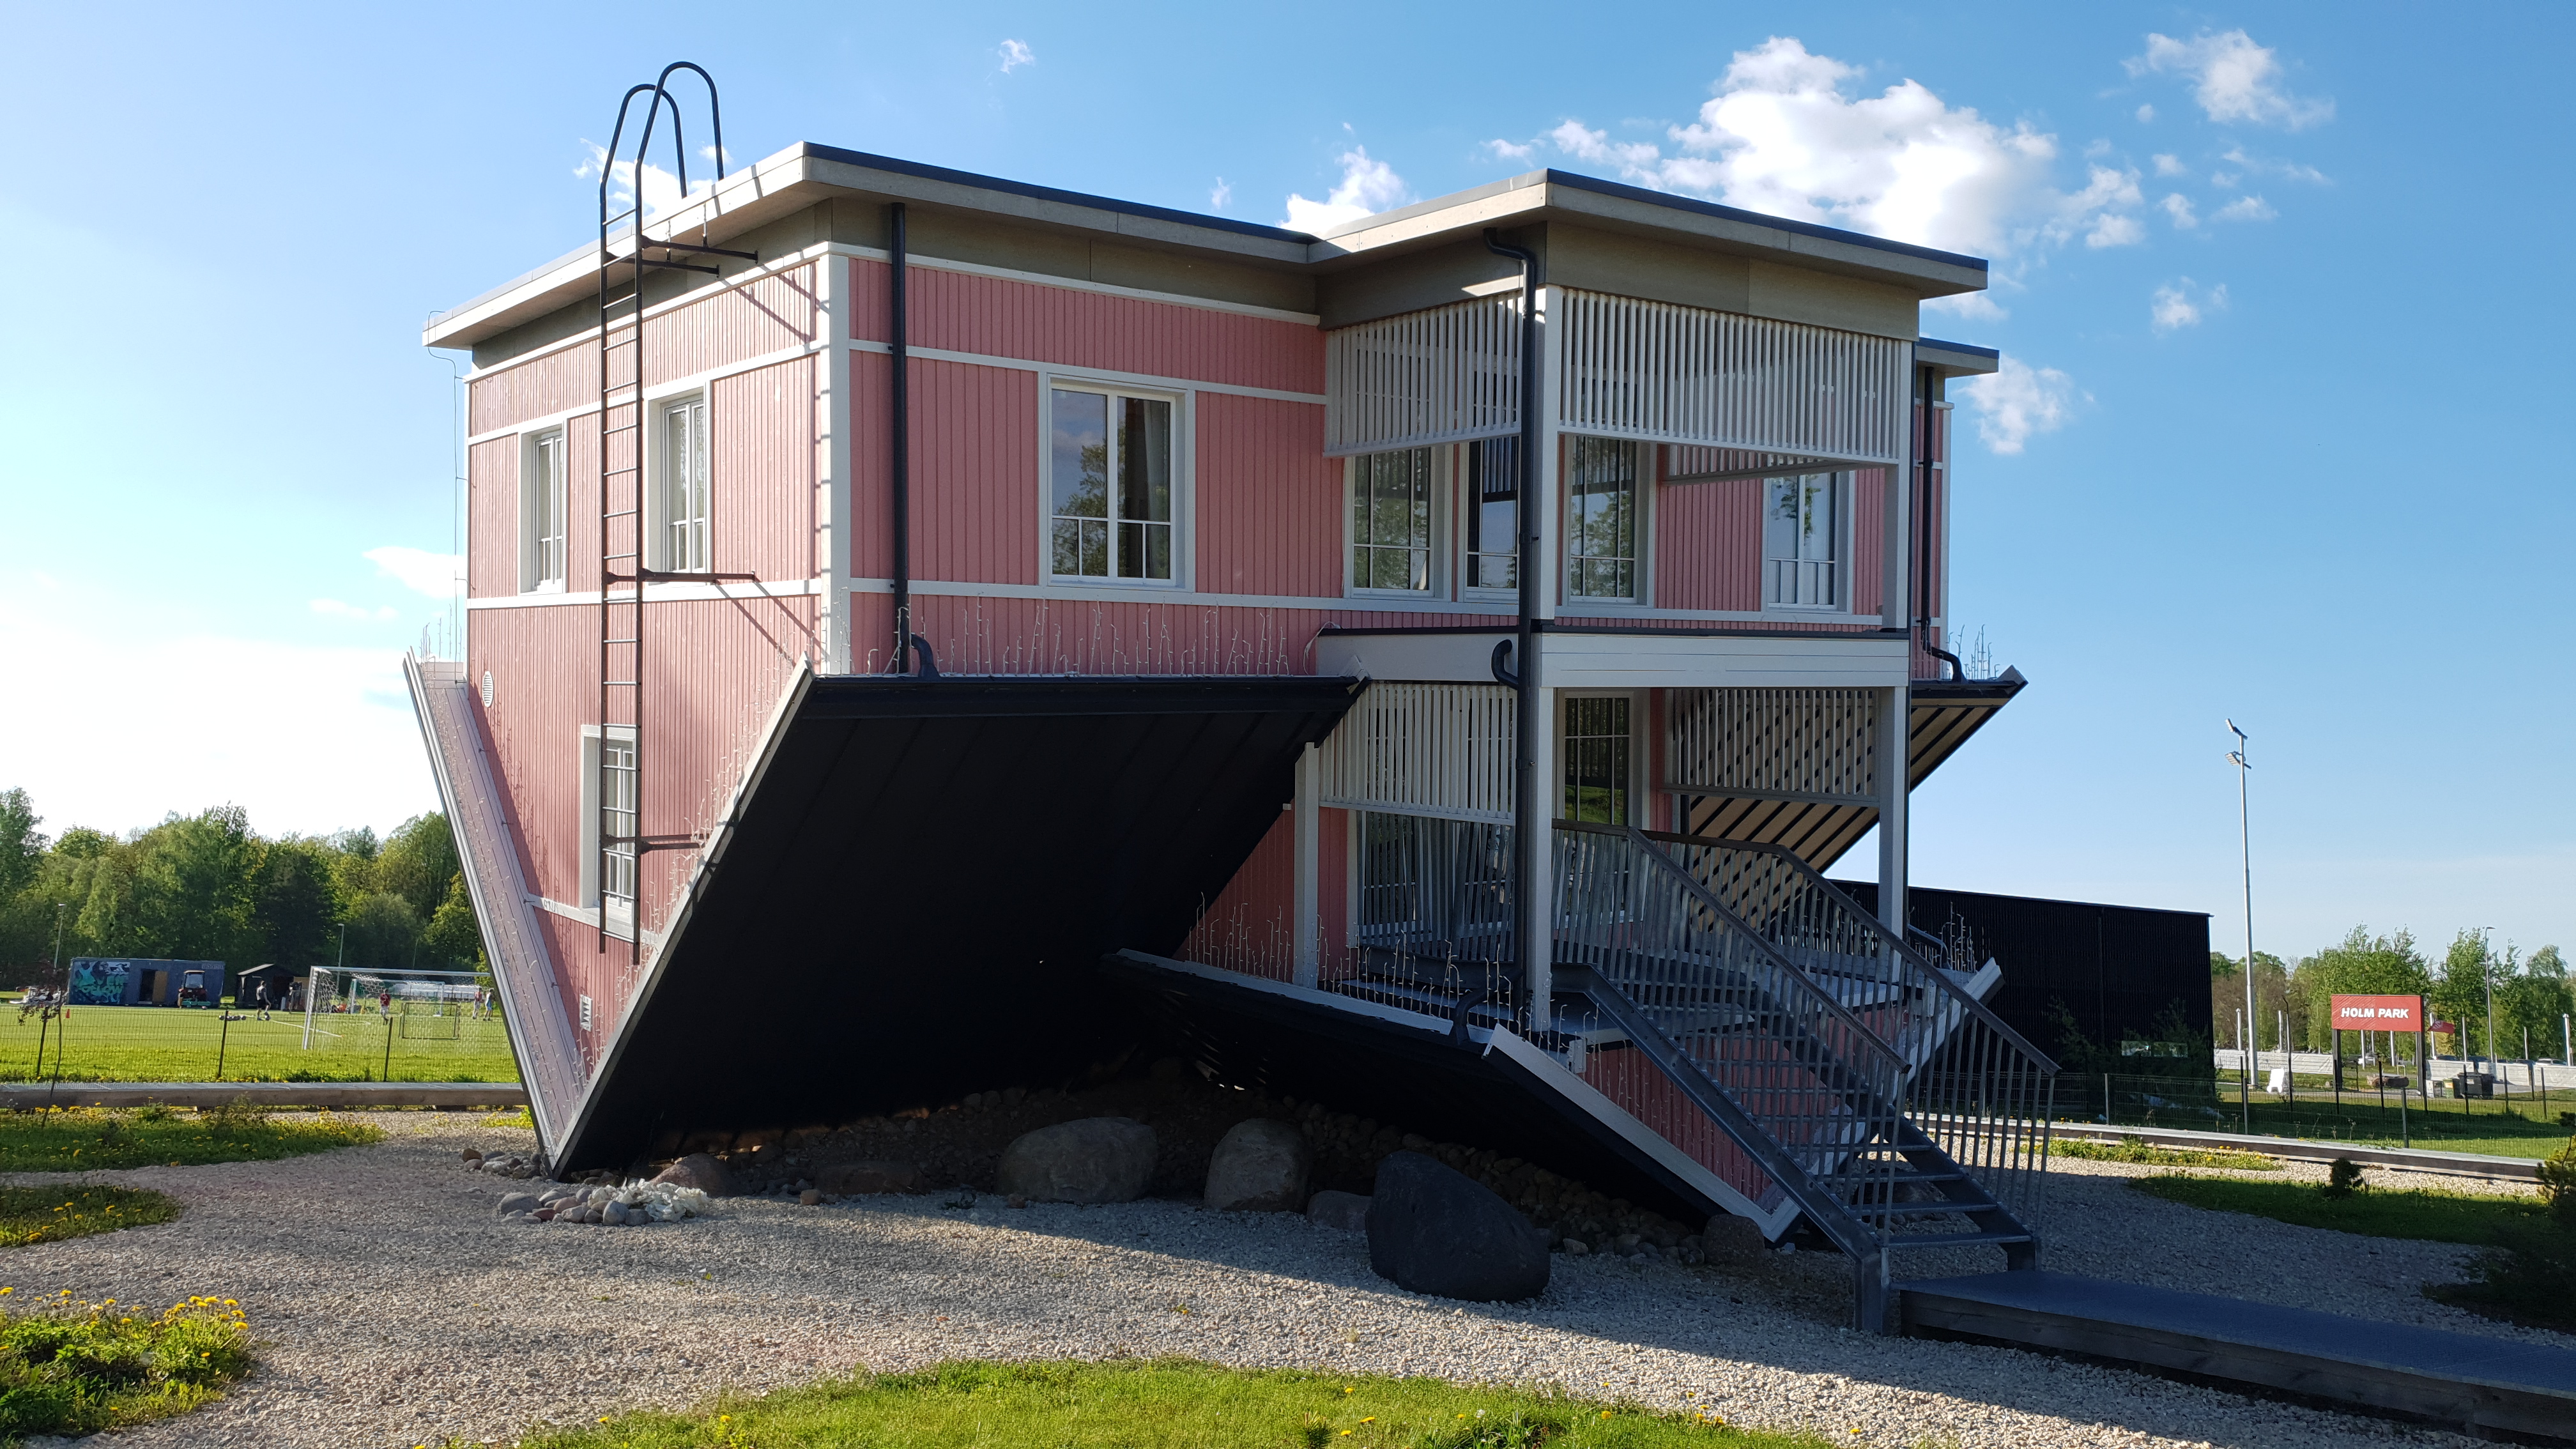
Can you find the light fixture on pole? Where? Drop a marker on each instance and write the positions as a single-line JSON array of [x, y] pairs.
[[2245, 848]]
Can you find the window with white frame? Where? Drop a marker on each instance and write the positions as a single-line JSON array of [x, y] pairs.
[[1599, 754], [1601, 519], [1802, 541], [1110, 485], [686, 496], [1494, 513], [608, 822], [1391, 521], [541, 512]]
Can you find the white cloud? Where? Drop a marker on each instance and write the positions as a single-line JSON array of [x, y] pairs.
[[1973, 306], [1596, 146], [2233, 79], [2116, 230], [2018, 400], [2146, 114], [661, 188], [312, 739], [2245, 208], [2183, 302], [1782, 136], [334, 609], [1220, 196], [2178, 206], [1510, 151], [1367, 187], [2266, 166], [2169, 165], [1016, 54], [419, 570]]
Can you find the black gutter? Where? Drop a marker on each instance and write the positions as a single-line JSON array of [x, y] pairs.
[[1529, 826], [1924, 377], [901, 405]]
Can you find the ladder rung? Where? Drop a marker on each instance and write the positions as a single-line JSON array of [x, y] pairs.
[[621, 684]]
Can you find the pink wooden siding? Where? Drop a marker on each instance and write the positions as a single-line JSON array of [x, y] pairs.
[[983, 635], [735, 325], [1333, 892], [1269, 502], [1708, 545], [1869, 507], [724, 327], [1249, 926], [975, 485], [1074, 328], [492, 518], [762, 428]]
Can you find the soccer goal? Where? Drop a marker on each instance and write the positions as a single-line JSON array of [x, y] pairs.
[[346, 1009]]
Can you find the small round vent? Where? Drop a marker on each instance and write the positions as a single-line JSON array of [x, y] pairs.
[[487, 689]]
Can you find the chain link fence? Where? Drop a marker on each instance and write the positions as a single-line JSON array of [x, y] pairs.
[[337, 1027]]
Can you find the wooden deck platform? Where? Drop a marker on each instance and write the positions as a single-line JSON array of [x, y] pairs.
[[2481, 1386]]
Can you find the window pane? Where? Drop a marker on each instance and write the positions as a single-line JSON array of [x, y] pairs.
[[1144, 461], [1596, 760], [1493, 515], [1391, 520], [1802, 540], [1081, 462], [1601, 519]]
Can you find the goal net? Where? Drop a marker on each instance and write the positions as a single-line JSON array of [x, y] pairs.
[[412, 1013]]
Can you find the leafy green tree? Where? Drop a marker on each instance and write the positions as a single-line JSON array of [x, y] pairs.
[[22, 849], [295, 909], [383, 933], [418, 863], [2360, 965], [454, 939], [2460, 990], [2532, 1004], [2227, 996], [194, 888]]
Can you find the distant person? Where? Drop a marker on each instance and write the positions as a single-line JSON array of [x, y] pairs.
[[262, 997]]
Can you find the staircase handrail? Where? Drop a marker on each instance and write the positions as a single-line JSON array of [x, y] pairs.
[[1859, 1068], [1926, 975]]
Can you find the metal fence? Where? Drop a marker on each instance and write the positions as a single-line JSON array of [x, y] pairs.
[[414, 1038]]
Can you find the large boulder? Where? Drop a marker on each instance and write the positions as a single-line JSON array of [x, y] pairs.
[[700, 1171], [1259, 1166], [1095, 1160], [1434, 1230], [854, 1179], [1341, 1211]]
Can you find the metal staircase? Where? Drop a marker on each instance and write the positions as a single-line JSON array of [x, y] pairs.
[[1729, 1000]]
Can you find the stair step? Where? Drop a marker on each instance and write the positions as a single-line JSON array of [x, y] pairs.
[[1957, 1240]]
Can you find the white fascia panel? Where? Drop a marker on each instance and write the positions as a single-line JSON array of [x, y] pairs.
[[1429, 658], [1629, 661]]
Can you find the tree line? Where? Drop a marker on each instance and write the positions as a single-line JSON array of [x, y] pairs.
[[207, 887], [2532, 993]]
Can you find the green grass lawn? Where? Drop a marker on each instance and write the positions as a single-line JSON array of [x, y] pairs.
[[2424, 1214], [169, 1044], [51, 1214], [2503, 1127], [77, 1368], [85, 1141], [2127, 1150], [1157, 1404]]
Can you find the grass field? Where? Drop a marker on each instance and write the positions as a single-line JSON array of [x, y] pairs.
[[1157, 1404], [168, 1044], [83, 1140], [2422, 1214], [51, 1214], [2503, 1127], [2126, 1150]]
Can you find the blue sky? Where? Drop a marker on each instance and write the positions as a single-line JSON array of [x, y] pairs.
[[2282, 289]]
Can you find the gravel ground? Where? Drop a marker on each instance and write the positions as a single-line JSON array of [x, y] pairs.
[[399, 1312]]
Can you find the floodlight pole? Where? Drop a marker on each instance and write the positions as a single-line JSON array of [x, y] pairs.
[[2486, 978], [2245, 848]]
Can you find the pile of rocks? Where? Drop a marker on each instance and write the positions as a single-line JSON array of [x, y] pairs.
[[633, 1205], [500, 1164]]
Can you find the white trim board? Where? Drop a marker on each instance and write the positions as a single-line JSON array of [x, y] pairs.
[[1631, 660], [1340, 604], [657, 391], [588, 917], [659, 593], [1097, 374]]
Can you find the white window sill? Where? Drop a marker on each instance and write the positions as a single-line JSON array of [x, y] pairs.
[[1090, 581]]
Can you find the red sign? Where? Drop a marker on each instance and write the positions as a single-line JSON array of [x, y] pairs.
[[2377, 1013]]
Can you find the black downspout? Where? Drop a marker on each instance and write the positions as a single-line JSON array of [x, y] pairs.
[[1923, 534], [900, 429], [1529, 819]]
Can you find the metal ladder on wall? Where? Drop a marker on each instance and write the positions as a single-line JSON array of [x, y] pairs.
[[624, 488]]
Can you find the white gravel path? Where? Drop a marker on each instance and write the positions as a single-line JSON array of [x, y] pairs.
[[399, 1312]]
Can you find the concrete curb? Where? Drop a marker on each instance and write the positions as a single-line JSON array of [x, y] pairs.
[[2458, 1164], [29, 1097]]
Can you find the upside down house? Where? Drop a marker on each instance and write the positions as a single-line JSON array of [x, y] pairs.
[[925, 630]]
